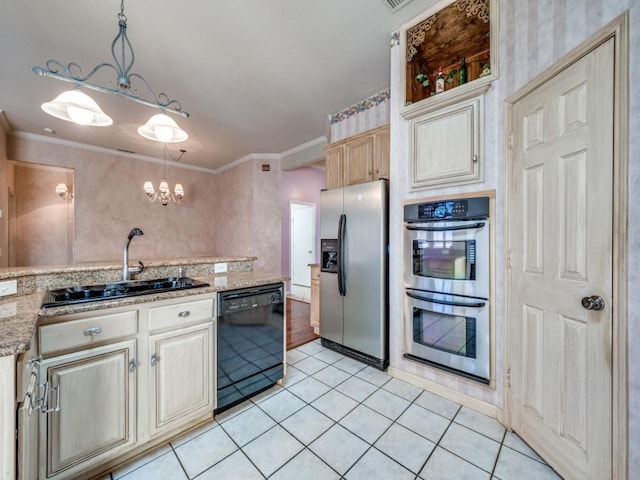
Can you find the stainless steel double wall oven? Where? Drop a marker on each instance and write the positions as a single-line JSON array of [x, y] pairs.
[[447, 285]]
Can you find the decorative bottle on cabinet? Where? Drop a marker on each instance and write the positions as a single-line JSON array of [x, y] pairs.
[[440, 81], [462, 78]]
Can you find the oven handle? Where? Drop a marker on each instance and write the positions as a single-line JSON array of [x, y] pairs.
[[444, 302], [447, 229], [342, 225]]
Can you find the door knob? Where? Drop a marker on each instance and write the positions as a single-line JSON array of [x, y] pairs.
[[594, 302]]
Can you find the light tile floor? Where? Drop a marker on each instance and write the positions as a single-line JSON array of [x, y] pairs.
[[334, 418]]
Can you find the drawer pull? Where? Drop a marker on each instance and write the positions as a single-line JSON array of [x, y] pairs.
[[184, 314], [89, 332]]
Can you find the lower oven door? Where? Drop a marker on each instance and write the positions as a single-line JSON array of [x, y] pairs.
[[448, 332]]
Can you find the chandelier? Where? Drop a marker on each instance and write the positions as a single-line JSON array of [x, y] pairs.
[[164, 194], [76, 106]]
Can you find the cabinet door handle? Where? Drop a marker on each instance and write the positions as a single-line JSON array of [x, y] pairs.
[[90, 332], [132, 365], [184, 314], [377, 170], [475, 158], [154, 360], [44, 408]]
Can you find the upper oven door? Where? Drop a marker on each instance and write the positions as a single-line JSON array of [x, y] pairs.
[[448, 256]]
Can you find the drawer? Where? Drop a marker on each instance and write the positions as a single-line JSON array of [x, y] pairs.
[[180, 314], [87, 331]]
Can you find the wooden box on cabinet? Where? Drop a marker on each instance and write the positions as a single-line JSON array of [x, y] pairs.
[[446, 145], [358, 159]]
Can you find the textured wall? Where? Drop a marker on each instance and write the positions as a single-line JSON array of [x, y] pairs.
[[4, 185], [533, 35], [109, 201], [300, 185], [44, 221], [247, 200]]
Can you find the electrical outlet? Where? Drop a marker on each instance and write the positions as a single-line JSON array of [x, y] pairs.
[[220, 268], [10, 287]]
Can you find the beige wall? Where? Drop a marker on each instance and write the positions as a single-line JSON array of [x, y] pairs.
[[109, 201], [4, 186], [248, 202], [44, 226]]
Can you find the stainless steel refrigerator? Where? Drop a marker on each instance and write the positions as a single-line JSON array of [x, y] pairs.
[[353, 273]]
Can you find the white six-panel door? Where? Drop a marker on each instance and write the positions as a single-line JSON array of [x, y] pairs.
[[560, 251]]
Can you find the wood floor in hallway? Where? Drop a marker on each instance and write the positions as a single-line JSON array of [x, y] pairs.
[[299, 331]]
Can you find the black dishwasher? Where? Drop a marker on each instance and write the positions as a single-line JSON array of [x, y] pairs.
[[250, 342]]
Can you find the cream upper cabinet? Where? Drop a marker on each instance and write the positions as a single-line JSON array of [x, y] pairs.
[[181, 376], [446, 145], [358, 159], [89, 414]]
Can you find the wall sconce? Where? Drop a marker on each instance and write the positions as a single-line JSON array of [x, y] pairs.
[[63, 192]]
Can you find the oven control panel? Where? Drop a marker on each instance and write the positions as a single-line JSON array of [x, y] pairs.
[[453, 209]]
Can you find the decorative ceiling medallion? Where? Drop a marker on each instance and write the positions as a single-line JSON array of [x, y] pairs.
[[480, 8]]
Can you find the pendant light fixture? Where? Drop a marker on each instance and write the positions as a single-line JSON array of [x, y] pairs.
[[164, 194], [76, 106]]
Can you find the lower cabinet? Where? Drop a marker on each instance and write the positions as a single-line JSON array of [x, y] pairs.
[[181, 376], [96, 395], [89, 408]]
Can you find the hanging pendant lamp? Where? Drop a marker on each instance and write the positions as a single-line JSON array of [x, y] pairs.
[[162, 128], [76, 106]]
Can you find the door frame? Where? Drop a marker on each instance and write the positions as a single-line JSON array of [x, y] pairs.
[[291, 232], [618, 29]]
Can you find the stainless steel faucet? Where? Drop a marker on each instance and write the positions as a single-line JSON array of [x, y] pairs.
[[127, 271]]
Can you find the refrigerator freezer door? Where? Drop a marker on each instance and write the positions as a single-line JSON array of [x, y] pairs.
[[365, 255], [330, 299]]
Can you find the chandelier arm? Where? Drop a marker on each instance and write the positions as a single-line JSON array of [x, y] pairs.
[[162, 99], [69, 77]]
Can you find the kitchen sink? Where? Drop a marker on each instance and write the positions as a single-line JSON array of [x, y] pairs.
[[108, 291]]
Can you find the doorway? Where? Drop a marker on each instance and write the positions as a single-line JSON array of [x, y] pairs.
[[302, 247], [566, 321]]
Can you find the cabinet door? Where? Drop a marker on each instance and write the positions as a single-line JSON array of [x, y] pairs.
[[181, 376], [95, 391], [382, 155], [358, 161], [445, 146], [333, 167]]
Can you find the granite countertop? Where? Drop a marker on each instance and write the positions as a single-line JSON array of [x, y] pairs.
[[19, 314]]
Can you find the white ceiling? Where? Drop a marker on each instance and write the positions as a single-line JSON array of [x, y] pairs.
[[256, 76]]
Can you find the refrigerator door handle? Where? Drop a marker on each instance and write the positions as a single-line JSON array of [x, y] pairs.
[[342, 225]]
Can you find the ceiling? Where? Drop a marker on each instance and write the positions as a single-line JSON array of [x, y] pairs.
[[256, 76]]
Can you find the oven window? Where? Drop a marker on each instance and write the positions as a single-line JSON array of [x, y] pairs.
[[448, 260], [449, 333]]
